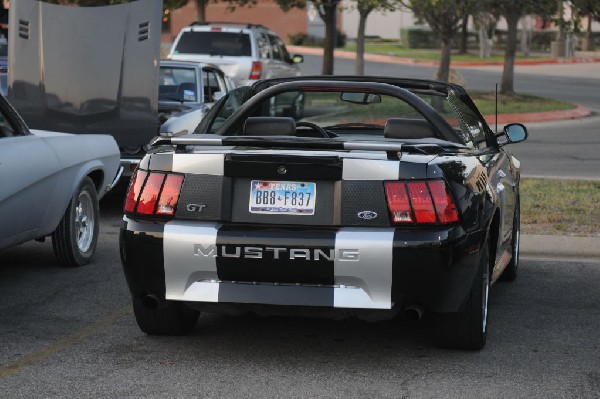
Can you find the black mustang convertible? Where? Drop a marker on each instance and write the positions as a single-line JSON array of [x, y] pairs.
[[327, 196]]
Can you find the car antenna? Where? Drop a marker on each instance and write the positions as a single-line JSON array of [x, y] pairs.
[[496, 107]]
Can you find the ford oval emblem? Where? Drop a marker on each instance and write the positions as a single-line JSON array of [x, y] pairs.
[[367, 215]]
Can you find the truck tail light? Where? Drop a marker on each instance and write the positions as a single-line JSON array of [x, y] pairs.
[[256, 70], [152, 193], [420, 202]]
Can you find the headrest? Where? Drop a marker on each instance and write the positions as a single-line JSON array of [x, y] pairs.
[[400, 128], [269, 126]]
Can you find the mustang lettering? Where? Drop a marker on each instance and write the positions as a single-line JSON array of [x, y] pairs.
[[226, 251]]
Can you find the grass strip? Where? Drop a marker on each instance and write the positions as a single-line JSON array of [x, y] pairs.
[[560, 207], [517, 104], [395, 50]]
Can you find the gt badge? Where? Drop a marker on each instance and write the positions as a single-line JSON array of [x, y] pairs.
[[367, 215], [195, 207]]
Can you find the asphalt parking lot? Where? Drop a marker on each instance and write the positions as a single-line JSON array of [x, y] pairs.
[[71, 333]]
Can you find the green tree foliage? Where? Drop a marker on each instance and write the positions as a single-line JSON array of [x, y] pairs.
[[364, 8]]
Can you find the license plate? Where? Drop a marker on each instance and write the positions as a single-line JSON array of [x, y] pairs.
[[282, 197]]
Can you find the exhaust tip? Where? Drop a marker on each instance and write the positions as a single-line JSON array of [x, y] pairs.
[[413, 313], [150, 302]]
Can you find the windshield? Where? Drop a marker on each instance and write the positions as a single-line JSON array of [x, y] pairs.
[[214, 43], [356, 115]]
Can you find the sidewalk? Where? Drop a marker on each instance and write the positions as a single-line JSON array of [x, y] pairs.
[[566, 247]]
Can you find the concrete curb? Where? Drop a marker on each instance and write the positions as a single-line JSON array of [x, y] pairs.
[[567, 247], [454, 64]]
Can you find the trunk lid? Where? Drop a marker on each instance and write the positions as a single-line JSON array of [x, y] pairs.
[[289, 187]]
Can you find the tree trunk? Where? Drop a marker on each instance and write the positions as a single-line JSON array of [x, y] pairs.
[[588, 39], [485, 45], [508, 74], [443, 73], [201, 8], [525, 36], [464, 35], [360, 42], [329, 17]]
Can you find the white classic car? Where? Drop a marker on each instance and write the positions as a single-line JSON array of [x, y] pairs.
[[50, 185]]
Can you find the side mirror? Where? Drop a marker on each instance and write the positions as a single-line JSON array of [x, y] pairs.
[[515, 132], [297, 59]]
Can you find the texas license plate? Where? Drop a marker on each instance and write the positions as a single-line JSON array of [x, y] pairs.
[[282, 197]]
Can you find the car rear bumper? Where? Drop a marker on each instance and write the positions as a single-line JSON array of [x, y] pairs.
[[340, 268]]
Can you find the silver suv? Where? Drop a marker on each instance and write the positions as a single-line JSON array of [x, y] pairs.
[[245, 52]]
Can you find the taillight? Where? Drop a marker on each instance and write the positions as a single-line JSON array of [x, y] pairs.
[[420, 202], [398, 202], [256, 70], [133, 193], [169, 195], [152, 193], [444, 205]]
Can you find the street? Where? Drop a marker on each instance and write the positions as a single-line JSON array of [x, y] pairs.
[[557, 149], [71, 333], [577, 83]]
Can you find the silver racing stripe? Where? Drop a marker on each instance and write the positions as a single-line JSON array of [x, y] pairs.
[[367, 282], [189, 254], [207, 164], [362, 274], [361, 169]]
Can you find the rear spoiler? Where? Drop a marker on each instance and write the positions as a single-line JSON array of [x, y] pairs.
[[277, 142]]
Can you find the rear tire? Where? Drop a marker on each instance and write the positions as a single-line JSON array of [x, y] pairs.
[[74, 240], [467, 329], [174, 318], [510, 272]]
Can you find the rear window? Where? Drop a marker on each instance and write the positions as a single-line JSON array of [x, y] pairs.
[[214, 43]]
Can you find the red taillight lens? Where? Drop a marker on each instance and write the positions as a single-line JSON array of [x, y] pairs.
[[133, 193], [420, 202], [398, 202], [153, 193], [169, 195], [444, 206], [149, 195], [256, 70]]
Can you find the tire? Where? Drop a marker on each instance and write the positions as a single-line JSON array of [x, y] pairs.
[[174, 318], [467, 329], [510, 272], [74, 240]]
